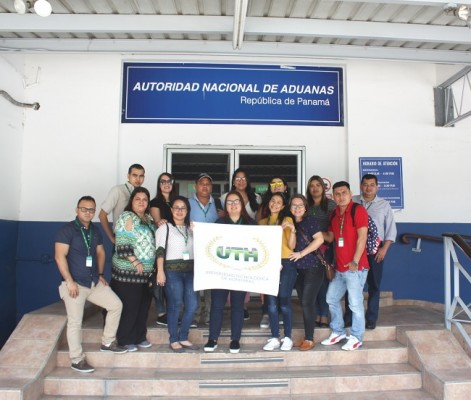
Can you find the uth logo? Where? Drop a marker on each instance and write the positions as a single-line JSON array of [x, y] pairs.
[[239, 253]]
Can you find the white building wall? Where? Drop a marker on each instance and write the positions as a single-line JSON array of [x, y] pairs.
[[11, 134], [76, 145]]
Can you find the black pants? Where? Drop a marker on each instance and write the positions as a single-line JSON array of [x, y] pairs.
[[307, 285], [136, 298]]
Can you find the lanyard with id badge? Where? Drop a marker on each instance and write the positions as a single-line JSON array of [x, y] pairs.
[[185, 252], [88, 243], [340, 242]]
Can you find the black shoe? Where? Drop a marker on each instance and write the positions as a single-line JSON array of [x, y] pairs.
[[211, 345], [370, 325], [162, 320], [82, 366], [246, 315], [234, 347], [114, 347]]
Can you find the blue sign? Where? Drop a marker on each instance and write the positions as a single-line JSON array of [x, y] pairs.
[[232, 94], [389, 174]]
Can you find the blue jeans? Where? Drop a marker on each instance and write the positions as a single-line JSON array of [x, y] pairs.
[[375, 275], [288, 276], [353, 282], [179, 292], [218, 300]]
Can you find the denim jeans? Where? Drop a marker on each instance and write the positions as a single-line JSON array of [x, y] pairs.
[[218, 301], [288, 276], [179, 292], [375, 275], [353, 282]]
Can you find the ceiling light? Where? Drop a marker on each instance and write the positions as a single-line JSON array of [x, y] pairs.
[[43, 8], [22, 6], [462, 12]]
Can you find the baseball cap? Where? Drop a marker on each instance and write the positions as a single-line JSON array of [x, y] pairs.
[[203, 175]]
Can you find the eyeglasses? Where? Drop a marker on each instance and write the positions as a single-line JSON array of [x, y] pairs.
[[87, 210], [240, 178], [276, 184], [297, 206], [235, 202], [166, 181], [179, 208]]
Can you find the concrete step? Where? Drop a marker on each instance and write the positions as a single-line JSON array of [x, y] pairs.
[[255, 335], [251, 356], [416, 394], [219, 381]]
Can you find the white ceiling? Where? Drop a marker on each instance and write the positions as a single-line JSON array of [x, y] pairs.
[[416, 30]]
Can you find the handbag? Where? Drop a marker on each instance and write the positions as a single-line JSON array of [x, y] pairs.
[[329, 268], [153, 278]]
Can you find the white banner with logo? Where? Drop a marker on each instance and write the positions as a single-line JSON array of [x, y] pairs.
[[237, 257]]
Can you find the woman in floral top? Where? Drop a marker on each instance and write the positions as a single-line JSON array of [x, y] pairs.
[[133, 265]]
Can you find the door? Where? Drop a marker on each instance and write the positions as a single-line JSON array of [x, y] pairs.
[[261, 163]]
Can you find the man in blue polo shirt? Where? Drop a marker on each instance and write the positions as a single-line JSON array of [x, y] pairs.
[[80, 257], [204, 208]]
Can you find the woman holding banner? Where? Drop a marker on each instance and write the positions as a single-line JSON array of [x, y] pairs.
[[310, 273], [277, 216], [236, 214]]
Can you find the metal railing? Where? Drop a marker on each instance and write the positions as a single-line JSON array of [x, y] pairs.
[[457, 312]]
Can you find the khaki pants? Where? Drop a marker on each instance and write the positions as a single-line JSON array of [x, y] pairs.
[[100, 295]]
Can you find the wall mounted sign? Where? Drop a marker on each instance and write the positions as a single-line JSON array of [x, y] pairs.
[[388, 170], [232, 94]]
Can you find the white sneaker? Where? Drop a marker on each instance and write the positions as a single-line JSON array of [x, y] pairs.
[[333, 338], [352, 344], [272, 344], [265, 322], [287, 344]]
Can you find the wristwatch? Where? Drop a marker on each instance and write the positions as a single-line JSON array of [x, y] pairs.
[[354, 263]]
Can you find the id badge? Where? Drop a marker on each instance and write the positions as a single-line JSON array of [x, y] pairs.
[[89, 261], [186, 255], [340, 242]]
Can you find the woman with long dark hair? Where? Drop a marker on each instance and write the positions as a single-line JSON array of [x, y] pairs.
[[277, 208], [133, 265], [160, 210], [320, 207], [160, 204], [241, 183]]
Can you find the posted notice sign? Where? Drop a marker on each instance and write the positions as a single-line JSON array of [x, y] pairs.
[[237, 257], [234, 94], [388, 170]]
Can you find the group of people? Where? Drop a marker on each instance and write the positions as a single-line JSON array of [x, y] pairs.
[[153, 257]]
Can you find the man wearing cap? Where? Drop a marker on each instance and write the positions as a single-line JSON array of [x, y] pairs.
[[204, 208]]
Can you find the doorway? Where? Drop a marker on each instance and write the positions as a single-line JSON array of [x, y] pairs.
[[261, 163]]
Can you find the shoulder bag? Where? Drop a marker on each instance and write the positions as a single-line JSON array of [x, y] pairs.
[[329, 268]]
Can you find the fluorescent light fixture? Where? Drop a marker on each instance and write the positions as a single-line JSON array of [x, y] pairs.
[[43, 8]]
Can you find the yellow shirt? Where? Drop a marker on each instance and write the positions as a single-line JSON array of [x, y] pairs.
[[285, 250]]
